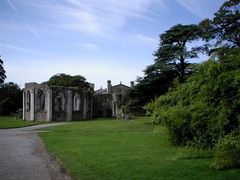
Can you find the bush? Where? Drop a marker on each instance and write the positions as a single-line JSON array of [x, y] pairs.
[[227, 152], [205, 107]]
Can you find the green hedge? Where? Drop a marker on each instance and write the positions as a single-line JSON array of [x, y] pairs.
[[227, 152], [205, 107]]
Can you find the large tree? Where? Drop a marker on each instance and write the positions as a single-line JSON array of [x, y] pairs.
[[224, 28], [2, 72], [152, 85], [173, 49], [62, 79], [10, 98], [170, 63]]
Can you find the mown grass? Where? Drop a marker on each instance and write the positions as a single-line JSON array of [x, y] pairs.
[[11, 122], [112, 149]]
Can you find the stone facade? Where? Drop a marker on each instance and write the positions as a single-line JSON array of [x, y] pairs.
[[107, 102], [52, 103]]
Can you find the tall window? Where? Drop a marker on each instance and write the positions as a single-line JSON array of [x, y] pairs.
[[40, 101], [76, 102], [28, 103], [59, 102]]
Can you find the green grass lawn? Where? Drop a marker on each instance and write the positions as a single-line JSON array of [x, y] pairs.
[[112, 149], [12, 122]]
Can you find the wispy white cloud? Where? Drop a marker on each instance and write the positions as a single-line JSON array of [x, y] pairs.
[[201, 8], [25, 50], [32, 30], [93, 16], [146, 39], [12, 5]]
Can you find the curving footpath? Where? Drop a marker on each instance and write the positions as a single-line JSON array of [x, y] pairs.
[[24, 157]]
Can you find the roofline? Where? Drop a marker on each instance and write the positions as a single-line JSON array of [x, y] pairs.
[[121, 85]]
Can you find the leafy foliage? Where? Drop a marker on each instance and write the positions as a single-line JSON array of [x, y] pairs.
[[173, 48], [227, 152], [66, 80], [148, 88], [224, 28], [10, 98], [204, 112], [170, 63], [2, 72], [204, 108]]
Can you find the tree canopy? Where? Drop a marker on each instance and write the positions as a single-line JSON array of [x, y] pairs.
[[2, 72], [66, 80], [204, 110], [10, 98], [173, 49], [170, 63], [224, 28]]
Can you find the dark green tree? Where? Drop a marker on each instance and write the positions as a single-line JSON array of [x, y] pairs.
[[224, 28], [205, 107], [62, 79], [2, 72], [10, 98], [155, 82], [170, 63], [173, 49]]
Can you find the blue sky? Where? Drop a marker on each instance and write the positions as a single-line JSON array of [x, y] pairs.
[[99, 39]]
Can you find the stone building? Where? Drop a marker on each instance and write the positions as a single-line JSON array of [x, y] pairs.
[[53, 103], [108, 101]]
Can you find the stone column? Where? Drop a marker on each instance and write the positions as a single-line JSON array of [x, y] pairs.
[[32, 105], [23, 108], [109, 87], [69, 105], [49, 105]]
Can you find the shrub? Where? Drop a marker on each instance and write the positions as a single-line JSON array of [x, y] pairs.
[[227, 152], [205, 107]]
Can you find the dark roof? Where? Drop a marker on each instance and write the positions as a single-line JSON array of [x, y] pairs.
[[121, 85], [104, 91], [101, 91]]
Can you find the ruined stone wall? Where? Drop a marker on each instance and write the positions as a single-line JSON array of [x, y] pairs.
[[59, 104], [41, 102], [107, 102], [82, 105], [118, 94], [54, 103], [103, 105], [35, 101]]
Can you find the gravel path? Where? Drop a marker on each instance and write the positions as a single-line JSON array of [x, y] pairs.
[[24, 157]]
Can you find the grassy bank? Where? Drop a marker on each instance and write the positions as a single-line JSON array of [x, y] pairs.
[[111, 149], [12, 122]]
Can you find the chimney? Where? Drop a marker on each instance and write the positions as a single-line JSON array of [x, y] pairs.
[[91, 86], [132, 84], [109, 86]]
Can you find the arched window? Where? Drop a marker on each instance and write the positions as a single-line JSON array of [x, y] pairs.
[[28, 102], [59, 102], [40, 101], [76, 102]]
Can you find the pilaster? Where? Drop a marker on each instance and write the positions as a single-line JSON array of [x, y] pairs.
[[49, 105], [32, 110], [69, 105]]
